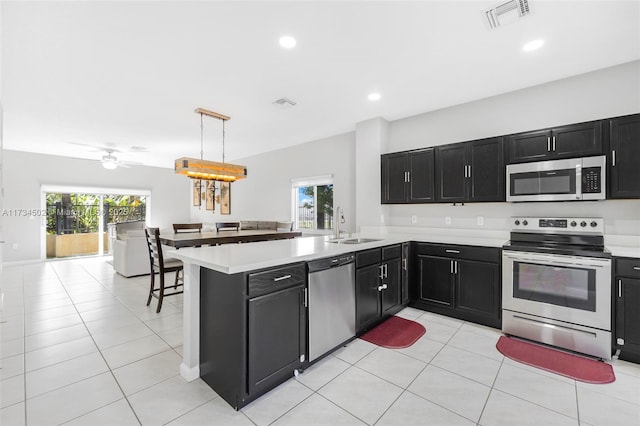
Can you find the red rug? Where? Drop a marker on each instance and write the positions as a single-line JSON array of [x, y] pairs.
[[563, 363], [395, 333]]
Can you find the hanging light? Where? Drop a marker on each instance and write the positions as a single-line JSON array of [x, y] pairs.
[[210, 170]]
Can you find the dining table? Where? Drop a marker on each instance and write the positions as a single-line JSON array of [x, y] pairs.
[[195, 239]]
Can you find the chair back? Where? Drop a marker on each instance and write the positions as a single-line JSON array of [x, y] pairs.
[[155, 249], [187, 227], [227, 226]]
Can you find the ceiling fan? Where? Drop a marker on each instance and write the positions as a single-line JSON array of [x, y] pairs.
[[110, 161]]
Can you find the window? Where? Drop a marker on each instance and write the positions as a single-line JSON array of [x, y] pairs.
[[313, 203]]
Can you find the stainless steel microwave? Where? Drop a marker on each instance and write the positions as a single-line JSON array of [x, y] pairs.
[[557, 180]]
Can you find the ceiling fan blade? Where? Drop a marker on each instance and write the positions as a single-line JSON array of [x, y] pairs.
[[97, 148]]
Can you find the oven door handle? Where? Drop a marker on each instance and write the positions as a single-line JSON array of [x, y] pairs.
[[544, 259]]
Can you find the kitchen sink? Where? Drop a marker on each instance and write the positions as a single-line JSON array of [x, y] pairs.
[[354, 241]]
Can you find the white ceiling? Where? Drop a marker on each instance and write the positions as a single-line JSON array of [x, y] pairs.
[[126, 74]]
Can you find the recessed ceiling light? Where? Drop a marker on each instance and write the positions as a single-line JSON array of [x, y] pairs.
[[374, 96], [287, 42], [532, 45]]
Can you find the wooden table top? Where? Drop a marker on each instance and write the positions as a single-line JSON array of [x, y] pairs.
[[191, 239]]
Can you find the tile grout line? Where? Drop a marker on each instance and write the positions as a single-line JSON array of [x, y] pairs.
[[101, 355]]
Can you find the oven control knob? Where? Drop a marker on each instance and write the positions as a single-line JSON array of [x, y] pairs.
[[525, 223], [573, 223], [517, 222], [583, 223], [594, 224]]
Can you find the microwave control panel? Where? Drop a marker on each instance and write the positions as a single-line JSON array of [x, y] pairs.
[[591, 178]]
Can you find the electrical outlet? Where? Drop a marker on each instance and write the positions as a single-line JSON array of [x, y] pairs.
[[447, 220], [480, 220], [414, 219]]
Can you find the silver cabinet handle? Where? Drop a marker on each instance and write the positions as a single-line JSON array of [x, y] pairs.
[[554, 143], [306, 298], [469, 170], [382, 287], [386, 270], [548, 143], [613, 158], [381, 267], [636, 268], [408, 177], [453, 251], [451, 266], [404, 263], [619, 289], [455, 267], [284, 277]]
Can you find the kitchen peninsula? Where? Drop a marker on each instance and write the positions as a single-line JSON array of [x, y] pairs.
[[230, 269]]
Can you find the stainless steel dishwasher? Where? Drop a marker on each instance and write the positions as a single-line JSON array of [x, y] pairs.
[[332, 303]]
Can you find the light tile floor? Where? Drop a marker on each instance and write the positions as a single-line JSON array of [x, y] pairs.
[[79, 347]]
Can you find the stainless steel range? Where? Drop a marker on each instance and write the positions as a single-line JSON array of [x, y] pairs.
[[556, 284]]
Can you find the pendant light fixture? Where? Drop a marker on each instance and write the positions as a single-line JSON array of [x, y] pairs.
[[210, 170]]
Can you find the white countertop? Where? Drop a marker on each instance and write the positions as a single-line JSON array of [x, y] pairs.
[[235, 258]]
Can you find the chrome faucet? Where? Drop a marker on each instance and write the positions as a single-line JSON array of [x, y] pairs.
[[338, 216]]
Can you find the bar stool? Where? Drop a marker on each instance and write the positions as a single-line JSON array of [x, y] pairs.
[[158, 265]]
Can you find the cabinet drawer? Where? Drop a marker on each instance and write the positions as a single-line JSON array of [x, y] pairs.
[[271, 280], [368, 257], [485, 254], [628, 267], [391, 252]]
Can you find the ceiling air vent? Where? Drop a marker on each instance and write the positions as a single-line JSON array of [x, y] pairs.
[[520, 6], [284, 102]]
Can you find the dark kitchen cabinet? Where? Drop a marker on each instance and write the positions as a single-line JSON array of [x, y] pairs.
[[627, 296], [253, 330], [574, 140], [459, 281], [471, 171], [378, 285], [407, 177], [624, 157], [404, 274]]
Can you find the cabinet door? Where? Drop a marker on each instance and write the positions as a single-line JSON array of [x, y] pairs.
[[277, 337], [404, 275], [486, 173], [421, 176], [450, 176], [394, 178], [577, 140], [628, 315], [624, 157], [367, 296], [391, 295], [529, 146], [477, 291], [435, 280]]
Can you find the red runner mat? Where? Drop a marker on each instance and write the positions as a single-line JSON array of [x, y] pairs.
[[568, 365], [395, 333]]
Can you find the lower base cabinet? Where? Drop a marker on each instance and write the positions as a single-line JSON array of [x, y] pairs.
[[378, 285], [627, 297], [253, 330], [459, 281]]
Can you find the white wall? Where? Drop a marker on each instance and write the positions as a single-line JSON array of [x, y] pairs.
[[266, 192], [605, 93], [25, 173]]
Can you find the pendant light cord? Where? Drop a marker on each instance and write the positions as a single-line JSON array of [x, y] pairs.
[[201, 137]]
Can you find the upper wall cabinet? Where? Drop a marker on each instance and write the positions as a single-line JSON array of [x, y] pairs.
[[470, 171], [407, 177], [624, 157], [575, 140]]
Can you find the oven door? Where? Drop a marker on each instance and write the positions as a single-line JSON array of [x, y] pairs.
[[557, 180], [572, 289]]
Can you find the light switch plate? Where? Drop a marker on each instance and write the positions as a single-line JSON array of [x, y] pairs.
[[447, 220], [480, 220], [414, 219]]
